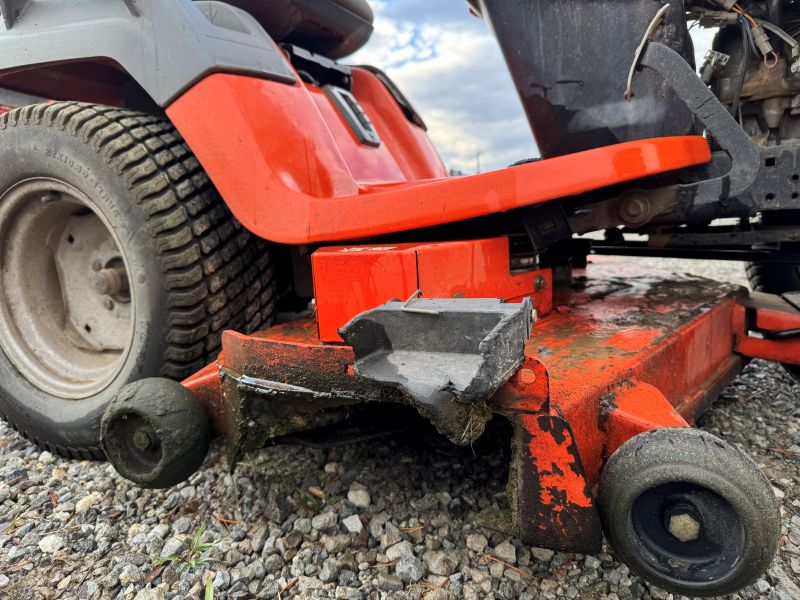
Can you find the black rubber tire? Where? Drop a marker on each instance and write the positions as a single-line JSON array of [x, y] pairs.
[[709, 467], [195, 270], [173, 421]]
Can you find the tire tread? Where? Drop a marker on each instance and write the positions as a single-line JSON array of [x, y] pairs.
[[202, 249]]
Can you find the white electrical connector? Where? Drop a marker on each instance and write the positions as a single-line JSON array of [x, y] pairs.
[[794, 65], [761, 39], [714, 18]]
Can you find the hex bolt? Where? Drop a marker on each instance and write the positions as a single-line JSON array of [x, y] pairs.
[[97, 266], [142, 439], [540, 283], [684, 527], [108, 303]]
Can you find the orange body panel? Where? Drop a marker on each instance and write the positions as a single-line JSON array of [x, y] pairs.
[[405, 153], [349, 280], [289, 171], [408, 144]]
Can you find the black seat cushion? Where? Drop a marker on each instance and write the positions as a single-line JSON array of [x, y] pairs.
[[333, 28]]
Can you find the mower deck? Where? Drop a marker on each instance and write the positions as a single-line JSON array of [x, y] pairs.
[[627, 348], [624, 350]]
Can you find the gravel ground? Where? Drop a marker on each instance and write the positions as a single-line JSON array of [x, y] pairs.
[[391, 518]]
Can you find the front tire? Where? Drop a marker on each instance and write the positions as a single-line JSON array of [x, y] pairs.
[[118, 262], [689, 512], [156, 433]]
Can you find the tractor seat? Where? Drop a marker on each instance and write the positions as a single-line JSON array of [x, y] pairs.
[[333, 28]]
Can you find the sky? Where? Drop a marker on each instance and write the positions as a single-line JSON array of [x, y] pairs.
[[448, 64]]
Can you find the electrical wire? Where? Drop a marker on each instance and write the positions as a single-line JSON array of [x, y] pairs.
[[780, 33], [741, 11], [771, 64], [651, 29], [746, 41], [749, 32], [788, 39]]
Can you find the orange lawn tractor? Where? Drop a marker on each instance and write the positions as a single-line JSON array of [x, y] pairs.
[[217, 226]]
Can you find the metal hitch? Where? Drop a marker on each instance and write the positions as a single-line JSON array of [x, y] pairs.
[[447, 357]]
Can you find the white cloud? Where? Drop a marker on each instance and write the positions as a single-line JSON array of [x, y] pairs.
[[450, 66]]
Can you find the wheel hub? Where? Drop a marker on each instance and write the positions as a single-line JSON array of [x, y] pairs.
[[66, 316], [111, 282], [687, 532]]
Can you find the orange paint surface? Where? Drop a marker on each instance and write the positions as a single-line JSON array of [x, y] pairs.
[[288, 172], [349, 280], [560, 484]]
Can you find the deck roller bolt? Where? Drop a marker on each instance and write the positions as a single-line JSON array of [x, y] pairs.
[[540, 283], [142, 439], [684, 527]]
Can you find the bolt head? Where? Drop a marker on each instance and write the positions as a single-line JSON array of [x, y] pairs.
[[540, 283], [108, 303], [635, 207], [142, 440], [684, 527], [635, 210]]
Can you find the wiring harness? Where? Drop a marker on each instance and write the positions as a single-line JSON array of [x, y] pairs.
[[755, 38]]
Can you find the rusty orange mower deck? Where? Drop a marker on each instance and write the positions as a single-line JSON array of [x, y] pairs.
[[619, 351]]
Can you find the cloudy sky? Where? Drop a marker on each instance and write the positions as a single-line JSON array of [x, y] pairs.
[[447, 63]]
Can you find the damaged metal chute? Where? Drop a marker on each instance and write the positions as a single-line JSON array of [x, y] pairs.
[[448, 356]]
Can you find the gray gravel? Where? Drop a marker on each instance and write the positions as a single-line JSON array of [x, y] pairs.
[[391, 518]]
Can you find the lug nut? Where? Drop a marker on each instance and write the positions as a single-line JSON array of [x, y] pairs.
[[684, 527]]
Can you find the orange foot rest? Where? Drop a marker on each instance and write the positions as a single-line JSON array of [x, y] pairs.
[[270, 154]]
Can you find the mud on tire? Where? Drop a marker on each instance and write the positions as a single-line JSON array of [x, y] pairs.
[[192, 270]]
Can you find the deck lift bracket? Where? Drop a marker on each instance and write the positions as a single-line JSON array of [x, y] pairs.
[[768, 326], [735, 168]]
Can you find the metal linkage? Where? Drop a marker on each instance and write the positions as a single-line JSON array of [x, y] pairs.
[[768, 327]]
